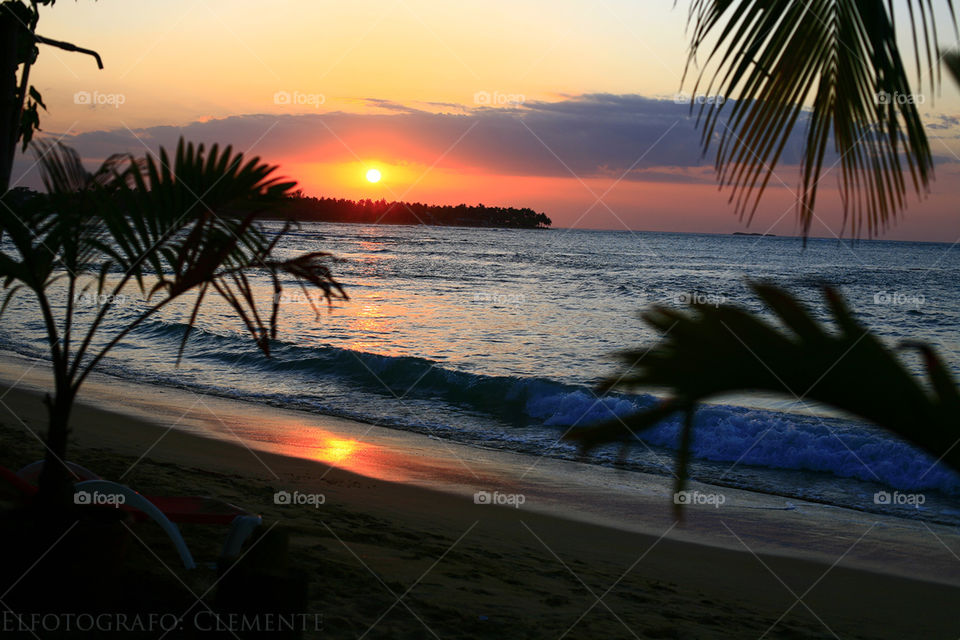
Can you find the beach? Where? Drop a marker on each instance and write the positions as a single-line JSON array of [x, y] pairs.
[[479, 321], [405, 550]]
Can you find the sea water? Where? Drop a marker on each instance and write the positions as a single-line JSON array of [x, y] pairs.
[[497, 338]]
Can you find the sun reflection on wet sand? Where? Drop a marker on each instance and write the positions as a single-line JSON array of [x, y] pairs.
[[289, 436], [294, 439], [335, 450]]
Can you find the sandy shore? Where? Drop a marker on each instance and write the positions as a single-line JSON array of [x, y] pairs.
[[590, 553]]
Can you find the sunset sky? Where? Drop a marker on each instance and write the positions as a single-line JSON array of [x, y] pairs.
[[565, 107]]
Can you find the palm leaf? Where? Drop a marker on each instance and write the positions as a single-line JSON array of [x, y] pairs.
[[770, 58], [952, 60], [169, 225], [709, 351]]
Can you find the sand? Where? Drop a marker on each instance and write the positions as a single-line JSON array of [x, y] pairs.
[[400, 549]]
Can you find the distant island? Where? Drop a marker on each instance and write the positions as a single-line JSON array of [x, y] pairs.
[[308, 209], [765, 235]]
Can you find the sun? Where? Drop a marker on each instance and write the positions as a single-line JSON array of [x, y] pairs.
[[373, 175]]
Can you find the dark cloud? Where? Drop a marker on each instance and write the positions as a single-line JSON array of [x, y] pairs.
[[941, 121], [591, 135], [390, 105], [588, 135]]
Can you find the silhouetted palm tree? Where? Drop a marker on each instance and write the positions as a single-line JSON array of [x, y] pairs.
[[165, 228], [770, 58], [708, 351], [20, 101]]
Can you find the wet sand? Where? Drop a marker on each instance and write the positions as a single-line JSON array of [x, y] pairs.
[[589, 553]]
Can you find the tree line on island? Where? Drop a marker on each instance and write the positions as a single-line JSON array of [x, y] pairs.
[[309, 209], [304, 208]]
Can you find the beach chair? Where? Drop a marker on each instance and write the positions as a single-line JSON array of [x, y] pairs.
[[20, 488], [164, 510]]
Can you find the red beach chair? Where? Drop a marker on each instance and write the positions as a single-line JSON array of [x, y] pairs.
[[164, 510]]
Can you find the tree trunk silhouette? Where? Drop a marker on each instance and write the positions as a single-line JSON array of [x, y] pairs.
[[9, 104], [55, 493]]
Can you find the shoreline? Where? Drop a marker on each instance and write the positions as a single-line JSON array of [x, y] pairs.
[[749, 555], [941, 513], [578, 491]]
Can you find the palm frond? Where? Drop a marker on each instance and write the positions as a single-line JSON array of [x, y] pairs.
[[952, 61], [169, 225], [770, 58], [708, 351]]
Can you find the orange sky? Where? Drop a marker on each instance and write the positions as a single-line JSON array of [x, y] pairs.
[[392, 65]]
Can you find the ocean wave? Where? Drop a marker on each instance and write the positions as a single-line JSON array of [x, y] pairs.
[[525, 413], [758, 437], [727, 434]]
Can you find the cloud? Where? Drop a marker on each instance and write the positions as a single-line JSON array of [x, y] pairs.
[[586, 136], [391, 105], [630, 136], [941, 121]]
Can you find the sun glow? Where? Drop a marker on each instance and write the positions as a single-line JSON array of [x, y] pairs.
[[373, 175], [349, 179], [334, 450]]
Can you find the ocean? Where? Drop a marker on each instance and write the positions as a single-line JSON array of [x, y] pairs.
[[497, 338]]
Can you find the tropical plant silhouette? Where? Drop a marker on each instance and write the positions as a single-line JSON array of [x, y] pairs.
[[20, 102], [168, 227], [951, 59], [164, 227], [710, 350], [770, 57]]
